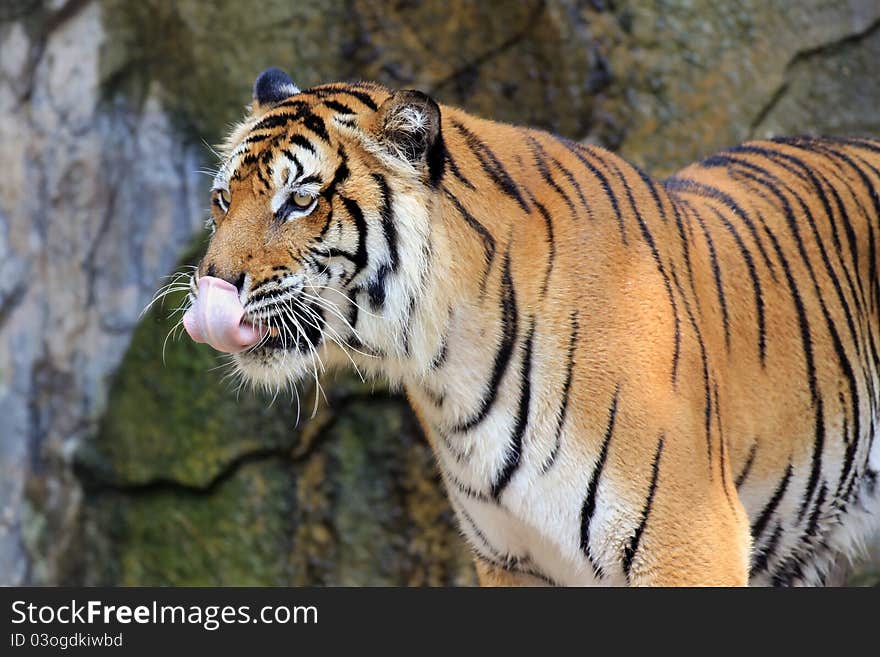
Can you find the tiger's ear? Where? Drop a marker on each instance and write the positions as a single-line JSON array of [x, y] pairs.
[[408, 123], [272, 86]]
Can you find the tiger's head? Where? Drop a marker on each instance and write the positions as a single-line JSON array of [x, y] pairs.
[[320, 215]]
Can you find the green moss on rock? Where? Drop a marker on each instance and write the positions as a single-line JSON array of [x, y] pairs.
[[231, 535]]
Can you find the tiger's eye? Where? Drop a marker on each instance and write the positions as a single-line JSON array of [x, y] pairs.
[[301, 200], [222, 198]]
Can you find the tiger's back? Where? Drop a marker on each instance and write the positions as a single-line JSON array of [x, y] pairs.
[[795, 288]]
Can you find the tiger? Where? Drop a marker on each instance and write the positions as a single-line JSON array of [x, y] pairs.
[[624, 381]]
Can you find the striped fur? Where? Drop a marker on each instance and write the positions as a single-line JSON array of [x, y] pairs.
[[624, 381]]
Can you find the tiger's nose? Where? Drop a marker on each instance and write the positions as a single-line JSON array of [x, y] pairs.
[[236, 279]]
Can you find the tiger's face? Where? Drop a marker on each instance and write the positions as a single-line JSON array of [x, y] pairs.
[[317, 216]]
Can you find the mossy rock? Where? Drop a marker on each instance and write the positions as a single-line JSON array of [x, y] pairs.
[[362, 506], [234, 534]]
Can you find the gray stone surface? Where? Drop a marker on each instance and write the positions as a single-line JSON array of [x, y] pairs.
[[95, 201]]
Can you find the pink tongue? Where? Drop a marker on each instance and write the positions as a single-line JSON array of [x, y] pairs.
[[216, 315]]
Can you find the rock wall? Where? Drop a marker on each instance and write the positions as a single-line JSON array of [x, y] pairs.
[[117, 469], [87, 227]]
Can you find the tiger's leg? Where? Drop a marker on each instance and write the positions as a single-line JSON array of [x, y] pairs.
[[696, 532], [491, 575], [684, 557]]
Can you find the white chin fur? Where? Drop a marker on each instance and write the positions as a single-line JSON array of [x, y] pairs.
[[274, 370]]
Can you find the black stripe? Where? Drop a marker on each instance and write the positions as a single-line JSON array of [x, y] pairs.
[[764, 517], [629, 552], [310, 179], [461, 456], [339, 176], [849, 454], [658, 261], [580, 152], [684, 185], [685, 247], [652, 188], [813, 524], [323, 92], [513, 457], [574, 183], [302, 142], [336, 106], [316, 124], [442, 354], [775, 186], [436, 158], [540, 156], [376, 287], [353, 317], [255, 139], [791, 569], [704, 361], [495, 554], [856, 404], [502, 355], [589, 507], [855, 286], [806, 340], [871, 337], [407, 325], [716, 273], [849, 231], [462, 487], [815, 459], [360, 256], [756, 283], [722, 448], [386, 214], [799, 168], [266, 184], [511, 563], [871, 191], [551, 243], [436, 398], [875, 197], [566, 394], [491, 165], [295, 160], [453, 167], [333, 252], [761, 559], [747, 468], [484, 235], [859, 142], [298, 103], [803, 322], [275, 121]]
